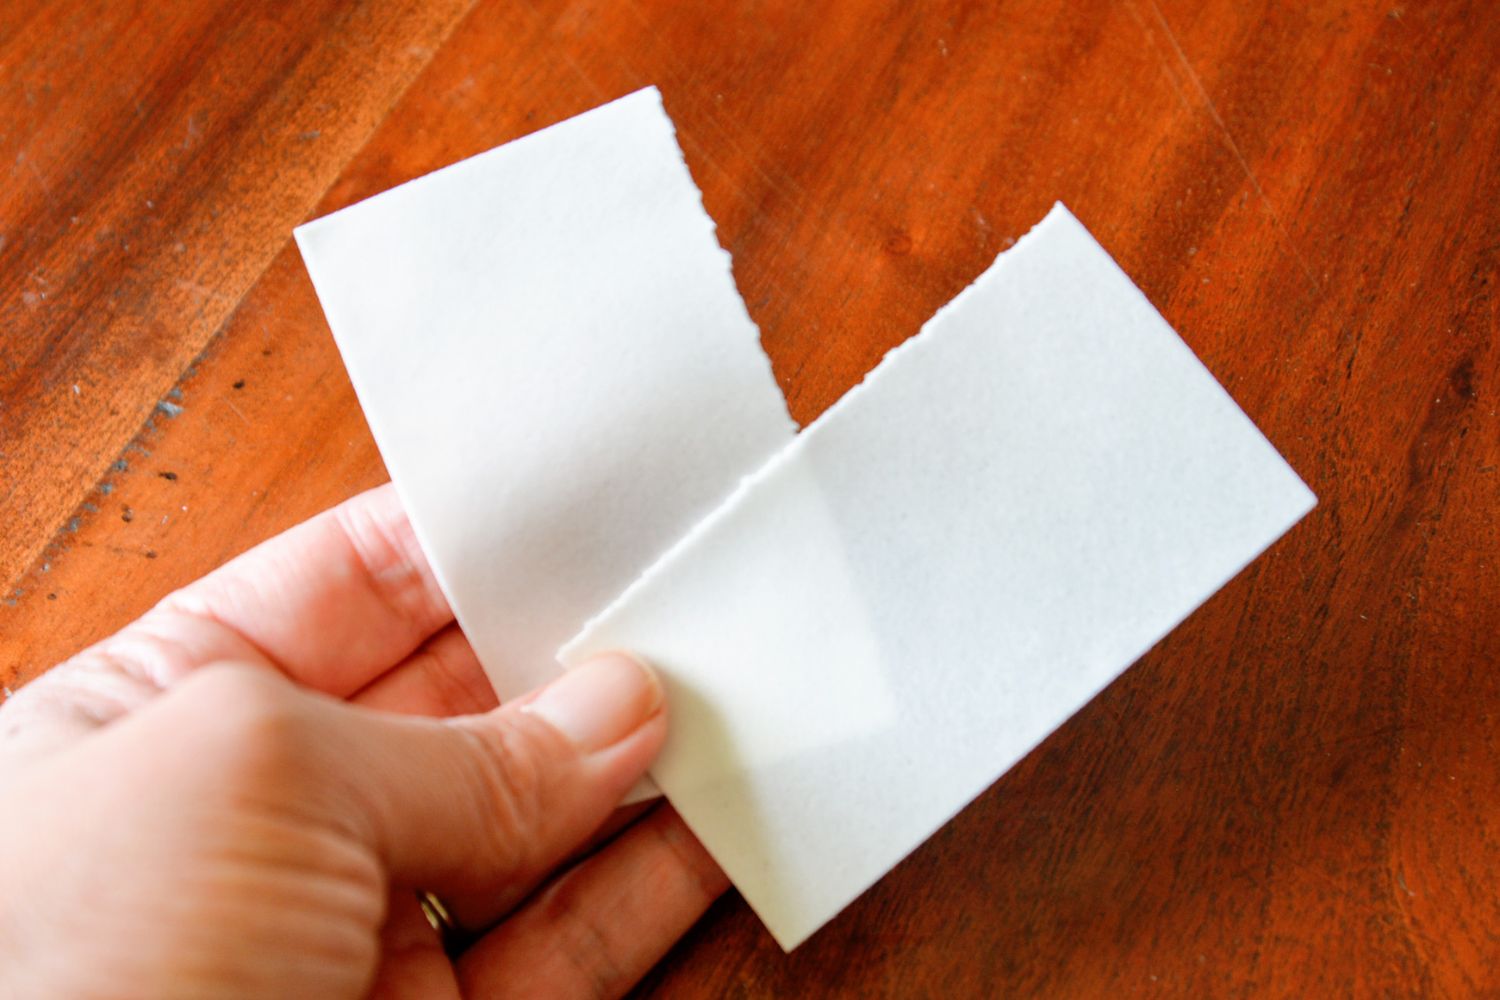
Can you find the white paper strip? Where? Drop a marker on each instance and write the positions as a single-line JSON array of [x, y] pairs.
[[556, 366], [941, 570]]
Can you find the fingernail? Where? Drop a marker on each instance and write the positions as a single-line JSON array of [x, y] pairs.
[[599, 703]]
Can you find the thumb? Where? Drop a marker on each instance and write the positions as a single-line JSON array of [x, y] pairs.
[[478, 809]]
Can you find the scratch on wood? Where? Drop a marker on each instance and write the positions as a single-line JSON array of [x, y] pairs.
[[1224, 133], [23, 160], [230, 403]]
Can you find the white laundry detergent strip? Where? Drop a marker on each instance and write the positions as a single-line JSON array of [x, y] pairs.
[[939, 571], [556, 366]]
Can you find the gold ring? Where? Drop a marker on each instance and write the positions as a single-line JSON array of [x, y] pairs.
[[441, 919]]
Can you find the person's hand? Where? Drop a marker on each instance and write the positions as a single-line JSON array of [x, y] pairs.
[[236, 796]]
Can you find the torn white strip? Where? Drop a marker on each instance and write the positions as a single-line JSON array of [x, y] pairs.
[[556, 366], [1014, 507]]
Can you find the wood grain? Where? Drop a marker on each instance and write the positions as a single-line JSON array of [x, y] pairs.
[[158, 154], [1296, 793]]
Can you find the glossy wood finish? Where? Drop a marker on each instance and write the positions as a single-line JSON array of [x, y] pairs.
[[1296, 793]]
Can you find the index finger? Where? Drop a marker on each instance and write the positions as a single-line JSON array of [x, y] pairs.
[[334, 602]]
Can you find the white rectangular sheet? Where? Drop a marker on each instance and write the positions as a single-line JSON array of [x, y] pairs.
[[556, 366], [942, 569]]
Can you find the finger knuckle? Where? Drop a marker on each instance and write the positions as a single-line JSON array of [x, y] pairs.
[[587, 942], [511, 779]]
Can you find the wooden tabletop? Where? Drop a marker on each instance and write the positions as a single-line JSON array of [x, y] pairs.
[[1297, 793]]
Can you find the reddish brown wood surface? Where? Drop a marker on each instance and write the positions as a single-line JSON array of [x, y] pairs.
[[1297, 793]]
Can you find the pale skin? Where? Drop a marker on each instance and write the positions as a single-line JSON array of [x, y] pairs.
[[239, 794]]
